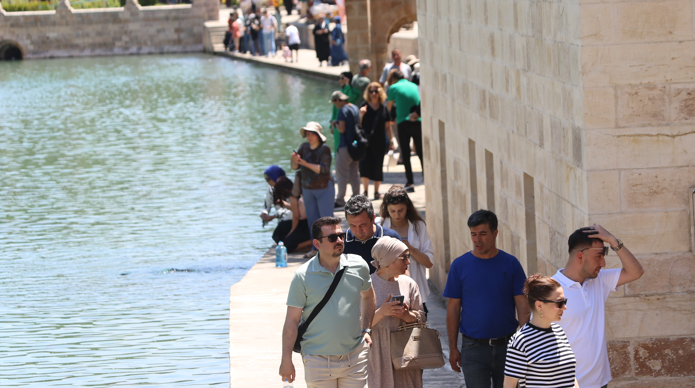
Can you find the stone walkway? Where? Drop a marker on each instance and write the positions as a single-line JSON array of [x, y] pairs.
[[307, 64], [257, 313]]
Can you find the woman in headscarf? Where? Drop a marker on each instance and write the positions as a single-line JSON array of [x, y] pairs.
[[391, 259], [338, 54], [322, 40], [271, 175]]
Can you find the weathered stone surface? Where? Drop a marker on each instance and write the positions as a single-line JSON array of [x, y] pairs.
[[599, 108], [682, 103], [642, 105], [650, 316], [672, 357], [645, 382], [596, 23], [665, 273], [603, 191], [649, 147], [657, 189], [654, 21], [649, 232], [619, 356]]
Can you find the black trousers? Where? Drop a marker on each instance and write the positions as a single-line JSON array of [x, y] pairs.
[[406, 130], [297, 237]]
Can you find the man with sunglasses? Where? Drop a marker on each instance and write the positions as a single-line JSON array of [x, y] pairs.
[[335, 346], [586, 288]]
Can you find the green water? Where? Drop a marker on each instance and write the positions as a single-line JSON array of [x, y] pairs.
[[130, 189]]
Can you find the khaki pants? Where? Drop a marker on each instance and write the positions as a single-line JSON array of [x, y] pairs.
[[346, 171], [346, 371]]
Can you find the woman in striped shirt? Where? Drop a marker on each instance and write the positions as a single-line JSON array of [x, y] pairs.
[[539, 355]]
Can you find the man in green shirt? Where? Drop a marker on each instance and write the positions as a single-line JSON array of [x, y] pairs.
[[406, 96], [341, 330], [344, 82], [360, 82]]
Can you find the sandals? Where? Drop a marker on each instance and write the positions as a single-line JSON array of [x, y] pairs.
[[377, 196]]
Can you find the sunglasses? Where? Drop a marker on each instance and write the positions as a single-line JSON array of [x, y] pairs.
[[560, 303], [605, 250], [334, 237], [405, 256], [374, 91]]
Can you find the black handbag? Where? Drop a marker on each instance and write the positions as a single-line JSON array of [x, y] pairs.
[[304, 325]]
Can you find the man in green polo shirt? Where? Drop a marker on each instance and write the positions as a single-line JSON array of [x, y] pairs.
[[336, 344], [406, 96]]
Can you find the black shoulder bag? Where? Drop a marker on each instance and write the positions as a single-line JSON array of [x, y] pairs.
[[304, 325]]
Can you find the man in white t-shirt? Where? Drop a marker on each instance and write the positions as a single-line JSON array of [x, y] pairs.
[[293, 41], [396, 64], [586, 288]]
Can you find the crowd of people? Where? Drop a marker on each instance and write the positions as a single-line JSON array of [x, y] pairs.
[[254, 30], [538, 331]]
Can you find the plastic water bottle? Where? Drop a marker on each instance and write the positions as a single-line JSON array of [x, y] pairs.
[[287, 384], [281, 255]]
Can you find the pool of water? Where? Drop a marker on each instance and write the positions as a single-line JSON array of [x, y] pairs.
[[130, 189]]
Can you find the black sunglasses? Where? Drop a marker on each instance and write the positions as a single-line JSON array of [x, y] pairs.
[[605, 250], [374, 91], [333, 237], [560, 303]]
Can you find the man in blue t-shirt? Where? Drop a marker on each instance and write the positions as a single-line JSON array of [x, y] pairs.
[[363, 233], [485, 294]]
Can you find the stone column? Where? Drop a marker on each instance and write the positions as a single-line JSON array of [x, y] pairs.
[[359, 30]]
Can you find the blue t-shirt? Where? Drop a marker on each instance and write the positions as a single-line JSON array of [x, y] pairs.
[[487, 288], [348, 113], [364, 248]]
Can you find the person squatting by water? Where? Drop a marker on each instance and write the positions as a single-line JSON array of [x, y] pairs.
[[336, 345], [282, 209]]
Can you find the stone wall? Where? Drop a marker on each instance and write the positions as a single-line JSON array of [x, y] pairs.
[[639, 99], [559, 114], [133, 29], [371, 24]]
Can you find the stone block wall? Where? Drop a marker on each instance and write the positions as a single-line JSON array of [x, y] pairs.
[[639, 101], [503, 108], [129, 30], [559, 114]]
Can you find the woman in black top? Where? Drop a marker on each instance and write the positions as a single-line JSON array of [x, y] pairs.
[[322, 40], [375, 119]]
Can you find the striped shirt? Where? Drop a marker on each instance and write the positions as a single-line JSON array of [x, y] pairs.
[[540, 357]]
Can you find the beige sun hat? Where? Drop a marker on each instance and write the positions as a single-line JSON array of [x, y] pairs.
[[315, 127]]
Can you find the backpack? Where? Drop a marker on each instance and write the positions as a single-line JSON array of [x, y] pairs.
[[357, 148]]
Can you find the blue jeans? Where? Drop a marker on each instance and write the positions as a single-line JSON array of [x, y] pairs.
[[480, 363], [268, 42], [318, 203], [248, 42]]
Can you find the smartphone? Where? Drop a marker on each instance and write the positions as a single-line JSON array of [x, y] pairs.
[[294, 151], [399, 299]]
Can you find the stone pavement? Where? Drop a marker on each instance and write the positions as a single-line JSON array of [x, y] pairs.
[[257, 312], [307, 64]]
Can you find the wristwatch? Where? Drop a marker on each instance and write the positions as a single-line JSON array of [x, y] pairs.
[[620, 245], [368, 331]]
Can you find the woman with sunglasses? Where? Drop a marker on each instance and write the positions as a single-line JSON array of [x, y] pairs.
[[539, 354], [391, 259], [376, 122], [398, 213]]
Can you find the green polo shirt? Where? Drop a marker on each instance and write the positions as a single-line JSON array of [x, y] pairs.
[[406, 95], [336, 330]]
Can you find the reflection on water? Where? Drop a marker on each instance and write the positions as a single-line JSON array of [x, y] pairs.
[[130, 189]]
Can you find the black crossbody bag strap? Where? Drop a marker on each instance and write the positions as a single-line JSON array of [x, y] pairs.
[[302, 328]]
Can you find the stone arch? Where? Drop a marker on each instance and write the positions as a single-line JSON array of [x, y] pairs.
[[11, 51], [370, 26]]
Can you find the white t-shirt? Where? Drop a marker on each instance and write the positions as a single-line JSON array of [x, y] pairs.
[[293, 35], [405, 69], [268, 23], [584, 324]]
